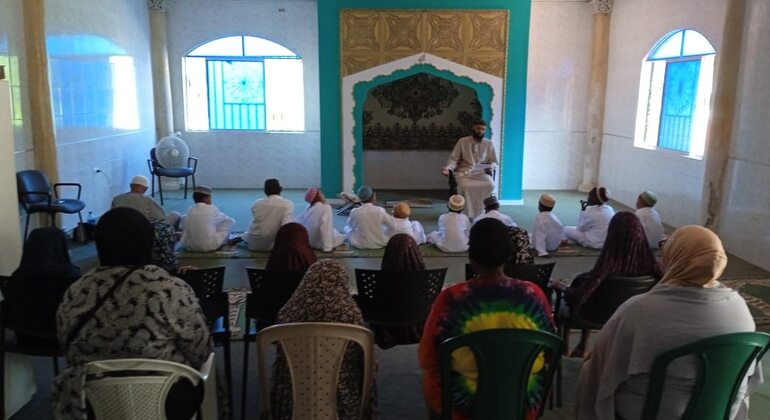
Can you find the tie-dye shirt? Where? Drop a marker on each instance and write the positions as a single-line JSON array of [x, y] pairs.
[[474, 305]]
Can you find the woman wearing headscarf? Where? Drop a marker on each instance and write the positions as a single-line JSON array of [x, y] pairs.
[[323, 296], [125, 308], [35, 289], [687, 305], [625, 253], [292, 251]]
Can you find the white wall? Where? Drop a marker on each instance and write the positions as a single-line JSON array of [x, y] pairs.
[[745, 226], [557, 93], [243, 159], [636, 25]]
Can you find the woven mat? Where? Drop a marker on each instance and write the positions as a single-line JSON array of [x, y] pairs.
[[756, 292], [241, 251], [415, 203]]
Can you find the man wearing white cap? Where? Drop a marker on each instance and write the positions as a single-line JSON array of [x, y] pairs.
[[150, 208], [204, 227], [318, 221], [367, 224], [593, 221], [492, 210], [454, 227], [653, 228], [548, 232]]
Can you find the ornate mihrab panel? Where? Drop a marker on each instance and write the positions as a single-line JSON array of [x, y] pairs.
[[474, 38]]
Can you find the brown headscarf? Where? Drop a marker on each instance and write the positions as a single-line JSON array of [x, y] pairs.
[[292, 251], [402, 254], [693, 256]]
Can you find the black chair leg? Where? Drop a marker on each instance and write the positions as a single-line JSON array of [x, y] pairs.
[[152, 192], [185, 188], [55, 365], [245, 369], [193, 177], [26, 228], [160, 190], [228, 370]]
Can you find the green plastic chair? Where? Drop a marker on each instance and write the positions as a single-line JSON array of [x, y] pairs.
[[723, 362], [504, 359]]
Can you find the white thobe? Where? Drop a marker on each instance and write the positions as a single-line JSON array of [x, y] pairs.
[[494, 214], [411, 228], [591, 230], [205, 228], [547, 234], [317, 220], [269, 215], [453, 232], [366, 226], [473, 185], [653, 228]]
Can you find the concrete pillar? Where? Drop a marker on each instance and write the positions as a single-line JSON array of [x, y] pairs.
[[720, 128], [39, 90], [161, 84], [597, 89]]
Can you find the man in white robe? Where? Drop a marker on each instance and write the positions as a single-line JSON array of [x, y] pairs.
[[653, 227], [593, 221], [204, 227], [473, 161], [548, 232], [454, 227], [367, 224], [318, 221], [492, 210], [402, 224], [269, 215]]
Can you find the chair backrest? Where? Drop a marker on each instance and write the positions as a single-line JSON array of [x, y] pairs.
[[540, 274], [32, 181], [142, 389], [208, 284], [154, 159], [398, 297], [722, 364], [504, 360], [314, 352], [270, 290], [610, 294]]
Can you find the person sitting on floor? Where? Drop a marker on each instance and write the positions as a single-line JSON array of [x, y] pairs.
[[402, 224], [453, 227], [625, 253], [150, 208], [492, 209], [548, 232], [269, 214], [491, 300], [317, 218], [204, 227], [593, 220], [650, 218], [367, 224], [689, 304], [292, 251]]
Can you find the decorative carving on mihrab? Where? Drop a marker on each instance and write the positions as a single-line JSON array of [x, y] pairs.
[[475, 38], [417, 97], [161, 5], [602, 7]]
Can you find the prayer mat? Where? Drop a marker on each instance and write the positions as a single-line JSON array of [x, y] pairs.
[[241, 251], [756, 292], [415, 203]]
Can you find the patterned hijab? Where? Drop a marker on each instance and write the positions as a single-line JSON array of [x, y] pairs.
[[402, 254], [322, 296], [693, 256], [292, 251], [46, 256]]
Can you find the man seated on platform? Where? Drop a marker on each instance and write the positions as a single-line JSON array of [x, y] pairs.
[[453, 227], [367, 224], [593, 221], [650, 218], [318, 220], [492, 210], [269, 215], [472, 160], [402, 224], [548, 232], [204, 227], [150, 208]]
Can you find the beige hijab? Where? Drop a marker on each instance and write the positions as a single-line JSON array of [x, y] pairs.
[[693, 256]]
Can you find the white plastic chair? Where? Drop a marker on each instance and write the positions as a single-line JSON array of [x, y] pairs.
[[314, 352], [136, 389]]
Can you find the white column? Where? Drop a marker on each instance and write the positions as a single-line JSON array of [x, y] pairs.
[[597, 89]]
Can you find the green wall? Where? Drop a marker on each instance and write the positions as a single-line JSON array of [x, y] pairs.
[[515, 83]]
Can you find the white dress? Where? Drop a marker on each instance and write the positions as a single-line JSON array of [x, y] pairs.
[[366, 226], [412, 228], [548, 233], [205, 228], [473, 185], [318, 221], [591, 230], [269, 214], [653, 228], [494, 214], [453, 232]]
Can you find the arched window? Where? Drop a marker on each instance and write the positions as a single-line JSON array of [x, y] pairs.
[[674, 94], [244, 83]]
